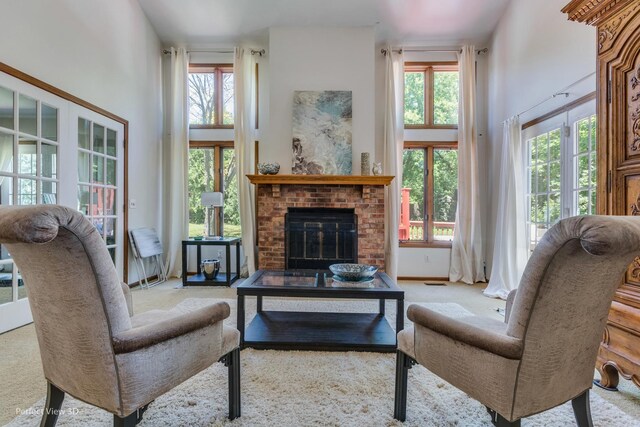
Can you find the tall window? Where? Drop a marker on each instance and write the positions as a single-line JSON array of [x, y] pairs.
[[212, 167], [561, 169], [211, 96], [431, 95], [429, 192]]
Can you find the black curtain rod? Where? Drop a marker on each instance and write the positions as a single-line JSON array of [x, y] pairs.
[[260, 52]]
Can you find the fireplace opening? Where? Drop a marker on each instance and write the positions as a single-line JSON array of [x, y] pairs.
[[318, 237]]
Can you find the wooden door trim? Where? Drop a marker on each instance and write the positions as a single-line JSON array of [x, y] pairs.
[[7, 69]]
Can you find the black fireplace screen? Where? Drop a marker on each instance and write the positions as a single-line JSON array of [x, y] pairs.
[[318, 237]]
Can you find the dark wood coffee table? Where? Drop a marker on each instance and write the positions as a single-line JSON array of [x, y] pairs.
[[321, 331]]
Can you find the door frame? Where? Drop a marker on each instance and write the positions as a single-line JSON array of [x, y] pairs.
[[125, 123]]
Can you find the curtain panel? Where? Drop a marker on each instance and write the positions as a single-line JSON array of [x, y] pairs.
[[467, 257], [176, 156], [510, 247], [244, 70], [393, 145]]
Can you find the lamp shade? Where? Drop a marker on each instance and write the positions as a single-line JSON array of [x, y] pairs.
[[212, 199]]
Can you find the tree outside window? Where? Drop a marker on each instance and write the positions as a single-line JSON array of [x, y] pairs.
[[431, 95], [211, 96], [561, 170], [429, 192], [212, 167]]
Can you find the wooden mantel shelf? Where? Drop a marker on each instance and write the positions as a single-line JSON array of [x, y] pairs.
[[321, 179]]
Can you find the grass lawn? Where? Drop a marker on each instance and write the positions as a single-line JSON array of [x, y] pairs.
[[230, 230]]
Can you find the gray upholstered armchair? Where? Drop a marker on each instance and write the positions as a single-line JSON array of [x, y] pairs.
[[544, 353], [91, 347]]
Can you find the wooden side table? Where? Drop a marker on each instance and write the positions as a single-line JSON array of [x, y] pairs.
[[226, 278]]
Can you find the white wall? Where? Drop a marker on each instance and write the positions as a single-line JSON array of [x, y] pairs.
[[314, 58], [106, 53], [534, 52]]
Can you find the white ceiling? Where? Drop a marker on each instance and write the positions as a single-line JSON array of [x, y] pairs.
[[428, 22]]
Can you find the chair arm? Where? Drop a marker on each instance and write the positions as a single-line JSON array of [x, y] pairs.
[[147, 335], [476, 331], [507, 310], [127, 297]]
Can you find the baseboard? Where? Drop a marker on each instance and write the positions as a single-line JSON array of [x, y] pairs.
[[423, 278]]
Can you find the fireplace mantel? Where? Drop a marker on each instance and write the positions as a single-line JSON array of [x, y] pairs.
[[321, 179]]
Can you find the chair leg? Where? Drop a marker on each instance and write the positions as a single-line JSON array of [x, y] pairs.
[[582, 410], [129, 421], [499, 421], [403, 364], [232, 361], [55, 396]]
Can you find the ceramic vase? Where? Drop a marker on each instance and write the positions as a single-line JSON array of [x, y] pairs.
[[365, 164]]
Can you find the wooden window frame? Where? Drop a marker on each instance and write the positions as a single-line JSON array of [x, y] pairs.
[[428, 68], [218, 70], [428, 146], [217, 147]]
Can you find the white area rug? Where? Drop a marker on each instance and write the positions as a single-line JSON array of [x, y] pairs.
[[294, 388]]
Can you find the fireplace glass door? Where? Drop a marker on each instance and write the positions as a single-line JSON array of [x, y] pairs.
[[316, 238]]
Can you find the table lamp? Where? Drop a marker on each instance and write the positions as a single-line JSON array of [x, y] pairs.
[[212, 200]]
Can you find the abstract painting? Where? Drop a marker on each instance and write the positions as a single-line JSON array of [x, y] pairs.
[[322, 132]]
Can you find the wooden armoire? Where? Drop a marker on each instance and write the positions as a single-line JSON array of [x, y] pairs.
[[618, 98]]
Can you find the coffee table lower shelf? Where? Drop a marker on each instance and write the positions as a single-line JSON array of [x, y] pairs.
[[318, 331]]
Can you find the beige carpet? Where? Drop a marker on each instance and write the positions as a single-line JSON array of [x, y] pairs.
[[320, 389]]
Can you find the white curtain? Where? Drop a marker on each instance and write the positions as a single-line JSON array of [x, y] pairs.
[[244, 79], [393, 145], [510, 248], [467, 260], [176, 224]]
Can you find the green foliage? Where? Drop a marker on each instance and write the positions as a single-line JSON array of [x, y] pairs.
[[414, 98], [202, 178], [545, 173], [231, 202], [413, 165], [445, 97], [200, 181], [445, 185]]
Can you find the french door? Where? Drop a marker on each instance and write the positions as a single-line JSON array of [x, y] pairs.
[[561, 169], [45, 159]]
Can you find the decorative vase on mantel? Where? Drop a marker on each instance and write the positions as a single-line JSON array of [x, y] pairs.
[[365, 164]]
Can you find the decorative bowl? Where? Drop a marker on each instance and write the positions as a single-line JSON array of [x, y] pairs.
[[210, 268], [268, 168], [353, 271]]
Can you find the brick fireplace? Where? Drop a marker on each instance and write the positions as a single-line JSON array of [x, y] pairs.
[[277, 193]]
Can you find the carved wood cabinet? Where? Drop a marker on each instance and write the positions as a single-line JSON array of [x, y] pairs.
[[618, 98]]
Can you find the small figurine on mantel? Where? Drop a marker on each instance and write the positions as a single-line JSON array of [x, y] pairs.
[[377, 168]]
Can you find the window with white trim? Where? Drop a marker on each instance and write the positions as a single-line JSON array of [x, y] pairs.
[[561, 169]]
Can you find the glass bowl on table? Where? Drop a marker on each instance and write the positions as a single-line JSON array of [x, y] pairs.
[[352, 272]]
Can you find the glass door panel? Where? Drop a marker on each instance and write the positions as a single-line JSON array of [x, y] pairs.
[[29, 146], [99, 171]]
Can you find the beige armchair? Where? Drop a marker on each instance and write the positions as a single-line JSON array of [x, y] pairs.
[[91, 347], [544, 354]]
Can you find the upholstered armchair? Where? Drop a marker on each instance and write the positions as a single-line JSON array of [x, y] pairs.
[[544, 354], [91, 346]]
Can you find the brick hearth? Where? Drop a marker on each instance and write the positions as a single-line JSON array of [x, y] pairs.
[[274, 199]]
